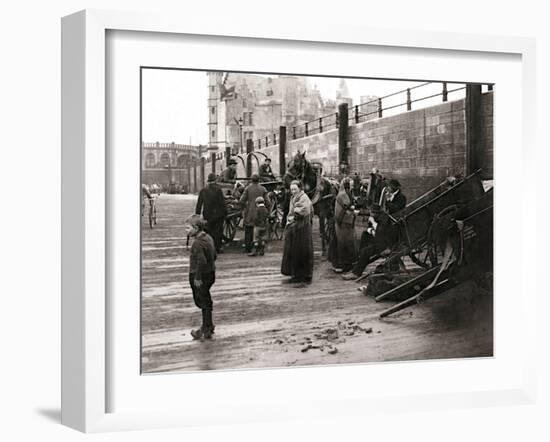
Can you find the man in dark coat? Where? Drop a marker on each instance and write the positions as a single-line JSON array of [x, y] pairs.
[[265, 172], [248, 201], [211, 203], [356, 185], [384, 235], [395, 200], [376, 184], [229, 174]]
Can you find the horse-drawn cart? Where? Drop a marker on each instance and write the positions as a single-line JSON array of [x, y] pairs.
[[234, 216], [448, 234]]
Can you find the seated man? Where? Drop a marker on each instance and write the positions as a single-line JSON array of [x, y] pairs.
[[265, 172], [356, 190], [229, 175], [383, 235], [393, 198]]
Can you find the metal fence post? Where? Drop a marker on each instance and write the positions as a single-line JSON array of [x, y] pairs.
[[227, 155], [343, 134], [249, 149], [444, 93], [409, 104], [379, 108], [282, 150], [203, 178], [474, 145]]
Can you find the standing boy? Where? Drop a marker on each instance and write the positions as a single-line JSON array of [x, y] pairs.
[[202, 273], [248, 202], [260, 227]]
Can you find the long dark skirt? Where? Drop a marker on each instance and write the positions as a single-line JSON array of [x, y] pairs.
[[298, 250], [345, 245], [332, 255]]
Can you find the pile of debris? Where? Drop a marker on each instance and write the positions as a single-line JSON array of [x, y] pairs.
[[327, 338]]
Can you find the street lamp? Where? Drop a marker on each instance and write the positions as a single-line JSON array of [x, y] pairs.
[[240, 123]]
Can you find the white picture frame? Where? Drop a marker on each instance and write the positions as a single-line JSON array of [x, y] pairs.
[[85, 309]]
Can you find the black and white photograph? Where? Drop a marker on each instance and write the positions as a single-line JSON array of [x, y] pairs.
[[291, 220], [233, 221]]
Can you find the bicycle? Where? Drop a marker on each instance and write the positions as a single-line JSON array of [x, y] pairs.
[[152, 212]]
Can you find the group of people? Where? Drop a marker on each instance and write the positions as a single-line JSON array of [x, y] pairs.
[[346, 255], [229, 174], [205, 226], [253, 199]]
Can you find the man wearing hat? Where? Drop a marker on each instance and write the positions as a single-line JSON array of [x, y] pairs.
[[211, 203], [202, 273], [265, 172], [394, 200], [248, 201], [229, 174], [383, 235]]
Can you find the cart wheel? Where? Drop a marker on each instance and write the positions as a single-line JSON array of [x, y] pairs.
[[229, 229], [424, 256]]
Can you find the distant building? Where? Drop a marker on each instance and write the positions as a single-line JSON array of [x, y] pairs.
[[370, 107], [342, 94], [168, 163], [261, 104]]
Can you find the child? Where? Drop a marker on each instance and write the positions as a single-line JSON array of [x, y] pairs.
[[260, 227], [202, 273]]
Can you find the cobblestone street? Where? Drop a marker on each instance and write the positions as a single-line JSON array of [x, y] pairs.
[[263, 322]]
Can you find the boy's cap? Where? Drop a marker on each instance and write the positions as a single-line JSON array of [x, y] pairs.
[[196, 220]]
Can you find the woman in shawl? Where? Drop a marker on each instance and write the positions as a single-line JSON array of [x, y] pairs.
[[343, 251], [298, 242]]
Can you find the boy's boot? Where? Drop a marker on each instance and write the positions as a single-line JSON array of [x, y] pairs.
[[207, 325]]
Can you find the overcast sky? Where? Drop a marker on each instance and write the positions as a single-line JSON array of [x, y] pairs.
[[175, 101]]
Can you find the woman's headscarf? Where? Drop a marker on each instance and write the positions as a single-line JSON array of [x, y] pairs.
[[343, 191]]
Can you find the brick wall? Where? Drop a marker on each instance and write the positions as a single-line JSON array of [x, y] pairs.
[[419, 148]]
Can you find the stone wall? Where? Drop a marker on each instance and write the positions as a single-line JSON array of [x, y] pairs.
[[419, 148]]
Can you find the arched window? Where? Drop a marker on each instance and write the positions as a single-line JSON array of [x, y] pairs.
[[183, 160], [150, 160], [164, 160]]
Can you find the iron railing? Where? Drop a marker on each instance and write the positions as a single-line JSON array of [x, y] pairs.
[[360, 113]]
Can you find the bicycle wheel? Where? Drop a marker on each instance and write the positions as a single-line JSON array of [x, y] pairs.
[[150, 215]]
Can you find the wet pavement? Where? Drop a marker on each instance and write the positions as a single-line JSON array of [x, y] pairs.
[[262, 322]]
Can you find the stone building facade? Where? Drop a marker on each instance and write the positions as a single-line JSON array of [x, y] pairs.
[[248, 106], [169, 163]]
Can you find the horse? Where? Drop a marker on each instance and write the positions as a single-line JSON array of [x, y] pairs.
[[321, 190]]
